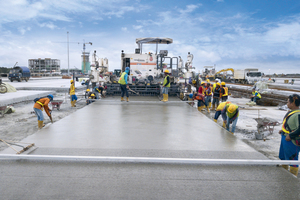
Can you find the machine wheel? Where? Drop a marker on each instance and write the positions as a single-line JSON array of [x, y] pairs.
[[11, 80], [3, 89], [26, 79]]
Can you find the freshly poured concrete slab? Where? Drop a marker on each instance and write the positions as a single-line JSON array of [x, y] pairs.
[[111, 125]]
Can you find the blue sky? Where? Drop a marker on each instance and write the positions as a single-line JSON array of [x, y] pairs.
[[262, 34]]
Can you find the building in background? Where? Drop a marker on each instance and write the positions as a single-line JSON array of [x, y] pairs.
[[44, 67]]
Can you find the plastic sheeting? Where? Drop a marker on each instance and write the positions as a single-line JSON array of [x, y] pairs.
[[10, 88]]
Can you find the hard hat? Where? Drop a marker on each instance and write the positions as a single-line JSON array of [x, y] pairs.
[[92, 95], [207, 80], [71, 81], [127, 68], [218, 83], [231, 108], [166, 71], [223, 83], [202, 82], [191, 95], [227, 102], [50, 96], [87, 90], [194, 81]]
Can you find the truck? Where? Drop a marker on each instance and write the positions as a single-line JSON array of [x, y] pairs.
[[247, 76], [19, 73]]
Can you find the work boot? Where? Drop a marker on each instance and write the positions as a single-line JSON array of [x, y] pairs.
[[294, 170], [122, 99], [164, 98], [207, 109], [285, 167], [224, 125], [209, 105], [215, 120], [74, 103], [167, 97], [40, 124], [127, 99]]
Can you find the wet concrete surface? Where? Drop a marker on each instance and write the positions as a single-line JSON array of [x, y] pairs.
[[142, 127]]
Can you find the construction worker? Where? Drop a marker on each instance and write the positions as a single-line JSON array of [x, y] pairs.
[[216, 96], [201, 89], [219, 110], [290, 134], [166, 86], [87, 94], [255, 95], [72, 94], [98, 90], [41, 103], [124, 85], [224, 92], [215, 85], [208, 95], [230, 115], [201, 102], [90, 99]]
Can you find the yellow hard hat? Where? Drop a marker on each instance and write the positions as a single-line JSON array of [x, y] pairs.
[[231, 108], [71, 81], [207, 80], [166, 71], [218, 83], [194, 81], [202, 82], [87, 90], [92, 95], [223, 83]]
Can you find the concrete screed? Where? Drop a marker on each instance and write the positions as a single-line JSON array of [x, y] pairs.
[[145, 128]]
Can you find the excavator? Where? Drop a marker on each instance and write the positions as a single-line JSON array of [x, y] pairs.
[[217, 74]]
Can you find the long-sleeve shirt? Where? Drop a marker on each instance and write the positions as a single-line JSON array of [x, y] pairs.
[[72, 89], [293, 125], [43, 103]]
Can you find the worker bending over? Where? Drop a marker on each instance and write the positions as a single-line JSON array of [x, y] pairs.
[[38, 107], [98, 90], [230, 115], [166, 86], [201, 102], [219, 110], [255, 95], [72, 94], [124, 85], [87, 94], [216, 96], [290, 134], [224, 92]]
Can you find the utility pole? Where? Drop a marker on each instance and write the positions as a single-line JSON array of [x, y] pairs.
[[68, 53]]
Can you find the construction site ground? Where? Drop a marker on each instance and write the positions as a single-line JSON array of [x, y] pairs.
[[143, 127]]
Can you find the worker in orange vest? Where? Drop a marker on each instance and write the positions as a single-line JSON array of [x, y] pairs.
[[40, 104]]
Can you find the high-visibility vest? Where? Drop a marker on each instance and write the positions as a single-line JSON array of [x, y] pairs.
[[165, 81], [226, 92], [284, 121], [122, 79], [258, 95], [208, 94]]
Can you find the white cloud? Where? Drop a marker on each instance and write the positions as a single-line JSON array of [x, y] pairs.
[[124, 29], [189, 8], [48, 25]]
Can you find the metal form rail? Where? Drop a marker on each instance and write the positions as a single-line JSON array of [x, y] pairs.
[[146, 160]]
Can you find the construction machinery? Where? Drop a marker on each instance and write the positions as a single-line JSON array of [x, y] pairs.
[[99, 70], [147, 69], [244, 76]]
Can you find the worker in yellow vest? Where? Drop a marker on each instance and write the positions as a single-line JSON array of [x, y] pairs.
[[72, 94], [290, 134], [40, 104], [255, 95], [166, 86], [219, 110], [123, 84], [224, 92], [230, 115]]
